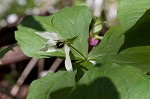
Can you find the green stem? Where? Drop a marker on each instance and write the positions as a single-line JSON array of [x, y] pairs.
[[98, 37], [78, 52]]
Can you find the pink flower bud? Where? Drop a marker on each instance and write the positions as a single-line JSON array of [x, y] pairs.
[[93, 41]]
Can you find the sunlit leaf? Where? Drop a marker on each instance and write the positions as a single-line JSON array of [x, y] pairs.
[[70, 22], [128, 46], [52, 86], [112, 81]]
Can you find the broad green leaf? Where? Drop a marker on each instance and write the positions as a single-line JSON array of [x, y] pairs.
[[136, 47], [30, 42], [129, 49], [112, 81], [109, 81], [71, 22], [109, 44], [128, 43], [56, 85], [130, 11], [68, 23], [82, 68], [52, 86]]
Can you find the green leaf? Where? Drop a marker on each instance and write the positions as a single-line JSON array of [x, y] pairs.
[[128, 43], [130, 12], [69, 22], [109, 81], [112, 81], [135, 50], [30, 42], [82, 68], [52, 86], [72, 22]]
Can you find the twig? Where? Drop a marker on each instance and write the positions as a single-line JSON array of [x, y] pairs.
[[55, 65], [23, 76], [40, 65], [13, 56]]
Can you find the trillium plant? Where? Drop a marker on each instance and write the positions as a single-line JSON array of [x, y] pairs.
[[122, 57]]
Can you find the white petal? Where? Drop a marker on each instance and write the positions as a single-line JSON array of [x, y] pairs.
[[46, 48], [93, 62], [49, 46], [51, 43], [48, 35], [68, 63]]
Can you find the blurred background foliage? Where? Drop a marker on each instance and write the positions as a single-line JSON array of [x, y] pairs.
[[12, 10]]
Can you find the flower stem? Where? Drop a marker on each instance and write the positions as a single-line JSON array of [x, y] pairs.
[[78, 52]]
